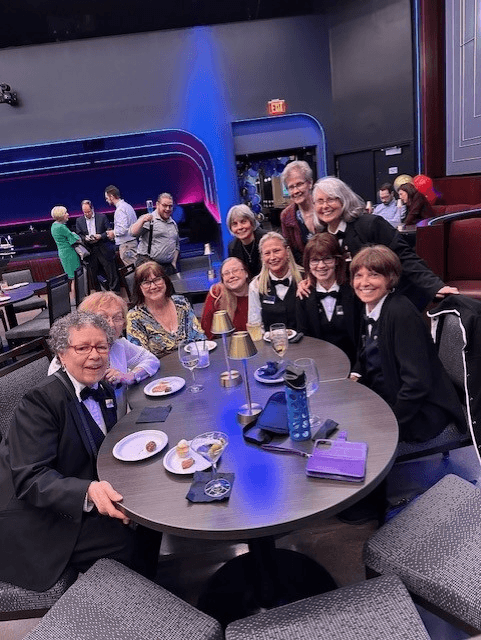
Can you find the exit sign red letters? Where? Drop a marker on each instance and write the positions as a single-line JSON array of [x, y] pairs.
[[276, 107]]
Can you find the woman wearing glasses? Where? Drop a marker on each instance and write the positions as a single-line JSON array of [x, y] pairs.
[[331, 312], [231, 295], [54, 511], [298, 221], [341, 212], [160, 320], [128, 363]]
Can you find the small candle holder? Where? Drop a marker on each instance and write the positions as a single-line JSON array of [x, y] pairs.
[[222, 326], [242, 348], [208, 253]]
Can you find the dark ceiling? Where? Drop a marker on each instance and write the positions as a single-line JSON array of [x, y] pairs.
[[25, 22]]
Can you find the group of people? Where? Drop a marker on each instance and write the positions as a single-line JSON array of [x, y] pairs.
[[411, 208], [152, 236], [348, 277], [50, 495]]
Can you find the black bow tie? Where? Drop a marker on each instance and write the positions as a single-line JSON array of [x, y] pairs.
[[340, 235], [96, 394], [370, 322], [285, 282], [320, 295]]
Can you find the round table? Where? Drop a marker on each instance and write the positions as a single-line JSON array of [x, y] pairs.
[[271, 494], [16, 295]]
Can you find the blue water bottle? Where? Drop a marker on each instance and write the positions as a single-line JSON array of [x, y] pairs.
[[297, 407]]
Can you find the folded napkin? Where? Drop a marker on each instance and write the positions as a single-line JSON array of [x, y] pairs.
[[271, 371], [154, 414], [201, 478]]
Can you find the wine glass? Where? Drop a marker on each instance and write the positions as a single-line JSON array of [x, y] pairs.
[[189, 358], [309, 367], [210, 446], [278, 337]]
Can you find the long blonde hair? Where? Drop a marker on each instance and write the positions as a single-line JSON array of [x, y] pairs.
[[294, 268], [224, 299]]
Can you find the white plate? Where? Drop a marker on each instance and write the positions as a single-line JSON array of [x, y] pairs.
[[290, 334], [259, 378], [175, 382], [17, 286], [210, 344], [173, 463], [4, 298], [132, 447]]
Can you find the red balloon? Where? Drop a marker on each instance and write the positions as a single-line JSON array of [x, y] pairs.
[[423, 183]]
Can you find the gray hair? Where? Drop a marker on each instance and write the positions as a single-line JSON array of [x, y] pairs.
[[59, 337], [298, 165], [165, 195], [241, 211], [353, 205]]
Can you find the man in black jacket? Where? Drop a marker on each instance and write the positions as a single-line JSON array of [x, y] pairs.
[[92, 228]]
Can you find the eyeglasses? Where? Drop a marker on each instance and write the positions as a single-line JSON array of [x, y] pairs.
[[148, 284], [326, 201], [166, 206], [86, 349], [232, 272], [326, 261], [117, 319], [294, 187]]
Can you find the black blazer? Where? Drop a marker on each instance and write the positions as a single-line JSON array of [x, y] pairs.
[[414, 378], [308, 321], [417, 282], [101, 226], [46, 466]]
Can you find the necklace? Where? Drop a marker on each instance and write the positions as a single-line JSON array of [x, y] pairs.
[[249, 253]]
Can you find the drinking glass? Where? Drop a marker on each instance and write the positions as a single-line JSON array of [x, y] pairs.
[[189, 358], [278, 337], [210, 446], [309, 367], [150, 206]]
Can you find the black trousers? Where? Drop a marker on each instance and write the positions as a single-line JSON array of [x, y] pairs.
[[107, 261], [104, 537]]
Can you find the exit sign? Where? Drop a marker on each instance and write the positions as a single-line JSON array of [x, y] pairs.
[[276, 107]]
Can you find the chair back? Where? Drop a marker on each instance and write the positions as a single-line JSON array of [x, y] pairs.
[[451, 344], [14, 277], [20, 369], [80, 284], [58, 295], [126, 274]]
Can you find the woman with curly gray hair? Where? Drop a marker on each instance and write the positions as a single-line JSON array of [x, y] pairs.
[[341, 212], [242, 224], [52, 504]]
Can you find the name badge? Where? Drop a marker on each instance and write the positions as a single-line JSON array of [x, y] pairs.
[[339, 310], [109, 403], [269, 300]]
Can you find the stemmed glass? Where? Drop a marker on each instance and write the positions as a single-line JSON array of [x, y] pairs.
[[210, 446], [278, 337], [309, 367], [189, 358]]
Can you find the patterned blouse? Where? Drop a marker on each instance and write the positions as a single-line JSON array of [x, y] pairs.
[[144, 330]]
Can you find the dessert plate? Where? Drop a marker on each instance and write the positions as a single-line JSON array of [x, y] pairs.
[[132, 447], [290, 334], [175, 383], [173, 463]]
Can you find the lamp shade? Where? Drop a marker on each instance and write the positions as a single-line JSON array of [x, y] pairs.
[[221, 323], [241, 346], [207, 249]]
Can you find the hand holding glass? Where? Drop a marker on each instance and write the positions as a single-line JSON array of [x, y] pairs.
[[210, 446], [189, 358]]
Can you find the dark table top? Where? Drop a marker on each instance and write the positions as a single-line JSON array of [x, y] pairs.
[[192, 282], [271, 493], [22, 293]]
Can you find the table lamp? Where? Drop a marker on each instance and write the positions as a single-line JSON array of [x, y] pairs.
[[242, 348], [208, 253], [222, 326]]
